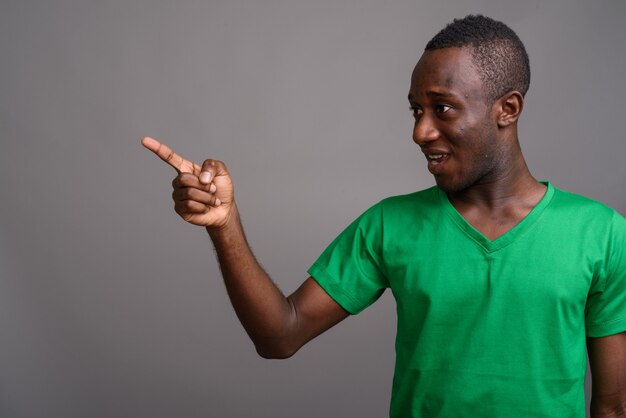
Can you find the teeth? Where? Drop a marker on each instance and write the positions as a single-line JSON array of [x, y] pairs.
[[435, 156]]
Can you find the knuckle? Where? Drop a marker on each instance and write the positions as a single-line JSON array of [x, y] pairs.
[[212, 163], [188, 193], [178, 209], [186, 179]]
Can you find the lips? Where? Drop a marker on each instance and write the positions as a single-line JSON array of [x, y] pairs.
[[436, 160]]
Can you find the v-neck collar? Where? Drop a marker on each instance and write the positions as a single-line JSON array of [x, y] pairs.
[[509, 236]]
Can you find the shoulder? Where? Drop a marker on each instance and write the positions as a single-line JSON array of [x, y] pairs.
[[590, 214], [583, 206]]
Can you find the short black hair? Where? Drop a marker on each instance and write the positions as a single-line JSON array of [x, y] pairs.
[[496, 50]]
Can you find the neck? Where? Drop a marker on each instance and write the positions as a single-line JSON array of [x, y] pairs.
[[509, 184], [496, 204]]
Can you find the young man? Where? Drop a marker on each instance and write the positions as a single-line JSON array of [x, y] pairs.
[[500, 280]]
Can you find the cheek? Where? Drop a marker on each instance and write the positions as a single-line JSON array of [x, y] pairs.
[[463, 138]]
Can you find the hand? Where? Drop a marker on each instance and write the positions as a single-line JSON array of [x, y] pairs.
[[203, 195]]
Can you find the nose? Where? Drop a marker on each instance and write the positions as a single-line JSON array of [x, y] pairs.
[[424, 130]]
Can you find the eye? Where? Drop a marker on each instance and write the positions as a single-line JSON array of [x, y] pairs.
[[417, 111], [442, 108]]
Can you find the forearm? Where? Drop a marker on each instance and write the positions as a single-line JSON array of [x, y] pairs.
[[203, 195], [265, 313]]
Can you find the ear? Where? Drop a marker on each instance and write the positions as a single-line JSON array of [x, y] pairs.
[[509, 108]]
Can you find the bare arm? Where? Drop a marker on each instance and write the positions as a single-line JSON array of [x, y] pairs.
[[607, 359], [277, 325]]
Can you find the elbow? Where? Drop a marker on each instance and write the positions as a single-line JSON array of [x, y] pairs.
[[274, 355], [616, 409], [275, 350]]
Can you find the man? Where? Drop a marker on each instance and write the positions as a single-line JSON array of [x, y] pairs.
[[499, 279]]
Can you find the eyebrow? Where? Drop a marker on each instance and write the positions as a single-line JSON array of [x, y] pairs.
[[439, 94], [436, 94]]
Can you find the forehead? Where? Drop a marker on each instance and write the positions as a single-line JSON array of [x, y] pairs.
[[448, 71]]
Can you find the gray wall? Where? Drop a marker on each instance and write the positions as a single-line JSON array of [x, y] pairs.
[[111, 306]]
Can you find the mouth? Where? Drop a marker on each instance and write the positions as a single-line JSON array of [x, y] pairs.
[[436, 159], [436, 162]]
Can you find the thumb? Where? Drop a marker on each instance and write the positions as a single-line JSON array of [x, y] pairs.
[[211, 169]]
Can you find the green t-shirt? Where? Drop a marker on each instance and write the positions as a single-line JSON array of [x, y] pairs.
[[485, 328]]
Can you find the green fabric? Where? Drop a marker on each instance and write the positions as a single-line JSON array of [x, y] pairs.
[[485, 328]]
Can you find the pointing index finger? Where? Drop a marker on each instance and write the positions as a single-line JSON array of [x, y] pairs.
[[168, 155]]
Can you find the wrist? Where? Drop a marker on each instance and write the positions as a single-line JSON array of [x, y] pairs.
[[230, 224]]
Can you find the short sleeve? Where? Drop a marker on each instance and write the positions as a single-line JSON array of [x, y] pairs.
[[351, 270], [606, 303]]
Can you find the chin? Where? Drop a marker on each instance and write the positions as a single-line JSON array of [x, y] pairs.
[[448, 185], [460, 181]]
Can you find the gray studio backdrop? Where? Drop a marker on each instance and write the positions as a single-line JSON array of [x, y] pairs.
[[111, 306]]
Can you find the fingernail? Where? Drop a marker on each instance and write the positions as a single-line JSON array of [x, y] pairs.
[[205, 177], [212, 188], [218, 202]]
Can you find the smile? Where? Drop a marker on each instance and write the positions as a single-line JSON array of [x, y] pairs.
[[436, 159]]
